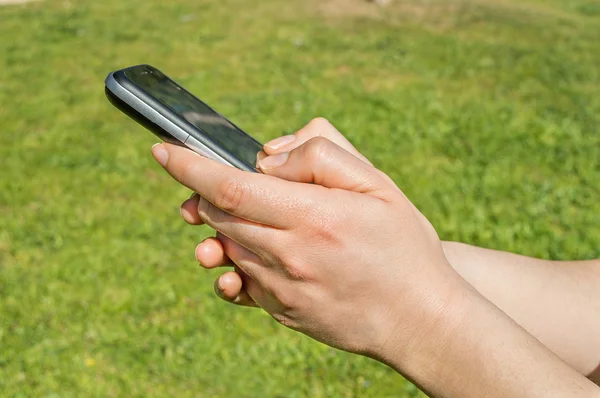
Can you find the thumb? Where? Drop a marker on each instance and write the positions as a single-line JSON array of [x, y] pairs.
[[324, 163], [319, 127]]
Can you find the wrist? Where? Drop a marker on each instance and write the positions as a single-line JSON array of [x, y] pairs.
[[418, 340], [471, 348]]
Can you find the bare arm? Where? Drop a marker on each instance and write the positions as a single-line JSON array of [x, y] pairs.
[[473, 348], [383, 288], [478, 351], [557, 302]]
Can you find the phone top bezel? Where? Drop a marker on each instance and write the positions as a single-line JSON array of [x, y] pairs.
[[173, 120]]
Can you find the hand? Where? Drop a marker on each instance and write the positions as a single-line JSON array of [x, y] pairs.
[[339, 253], [210, 252]]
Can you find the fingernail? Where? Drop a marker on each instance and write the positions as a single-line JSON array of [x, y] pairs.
[[160, 154], [184, 213], [280, 142], [197, 251], [271, 162], [219, 284], [260, 156]]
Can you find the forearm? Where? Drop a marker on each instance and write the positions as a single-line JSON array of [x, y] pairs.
[[557, 302], [478, 351]]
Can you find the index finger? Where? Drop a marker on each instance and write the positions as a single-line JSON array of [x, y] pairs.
[[254, 197]]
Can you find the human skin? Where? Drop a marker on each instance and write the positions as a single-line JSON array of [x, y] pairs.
[[558, 302], [383, 288]]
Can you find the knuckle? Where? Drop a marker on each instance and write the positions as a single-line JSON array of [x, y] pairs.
[[296, 268], [317, 127], [320, 122], [327, 231], [326, 225], [388, 181], [318, 148], [231, 194]]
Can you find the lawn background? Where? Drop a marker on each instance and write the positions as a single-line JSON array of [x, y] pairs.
[[486, 114]]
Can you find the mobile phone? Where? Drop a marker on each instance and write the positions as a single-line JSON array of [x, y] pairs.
[[175, 115]]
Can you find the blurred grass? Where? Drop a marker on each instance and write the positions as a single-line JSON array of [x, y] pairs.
[[485, 113]]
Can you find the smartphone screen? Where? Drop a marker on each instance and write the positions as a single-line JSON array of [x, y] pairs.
[[196, 112]]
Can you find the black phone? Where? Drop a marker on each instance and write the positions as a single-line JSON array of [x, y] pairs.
[[175, 115]]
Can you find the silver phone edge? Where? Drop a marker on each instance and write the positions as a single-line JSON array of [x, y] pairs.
[[151, 114]]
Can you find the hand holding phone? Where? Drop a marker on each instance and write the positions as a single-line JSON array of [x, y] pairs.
[[176, 116]]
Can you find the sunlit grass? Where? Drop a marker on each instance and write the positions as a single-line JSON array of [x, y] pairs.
[[485, 113]]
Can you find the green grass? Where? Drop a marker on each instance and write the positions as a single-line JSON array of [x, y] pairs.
[[485, 113]]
